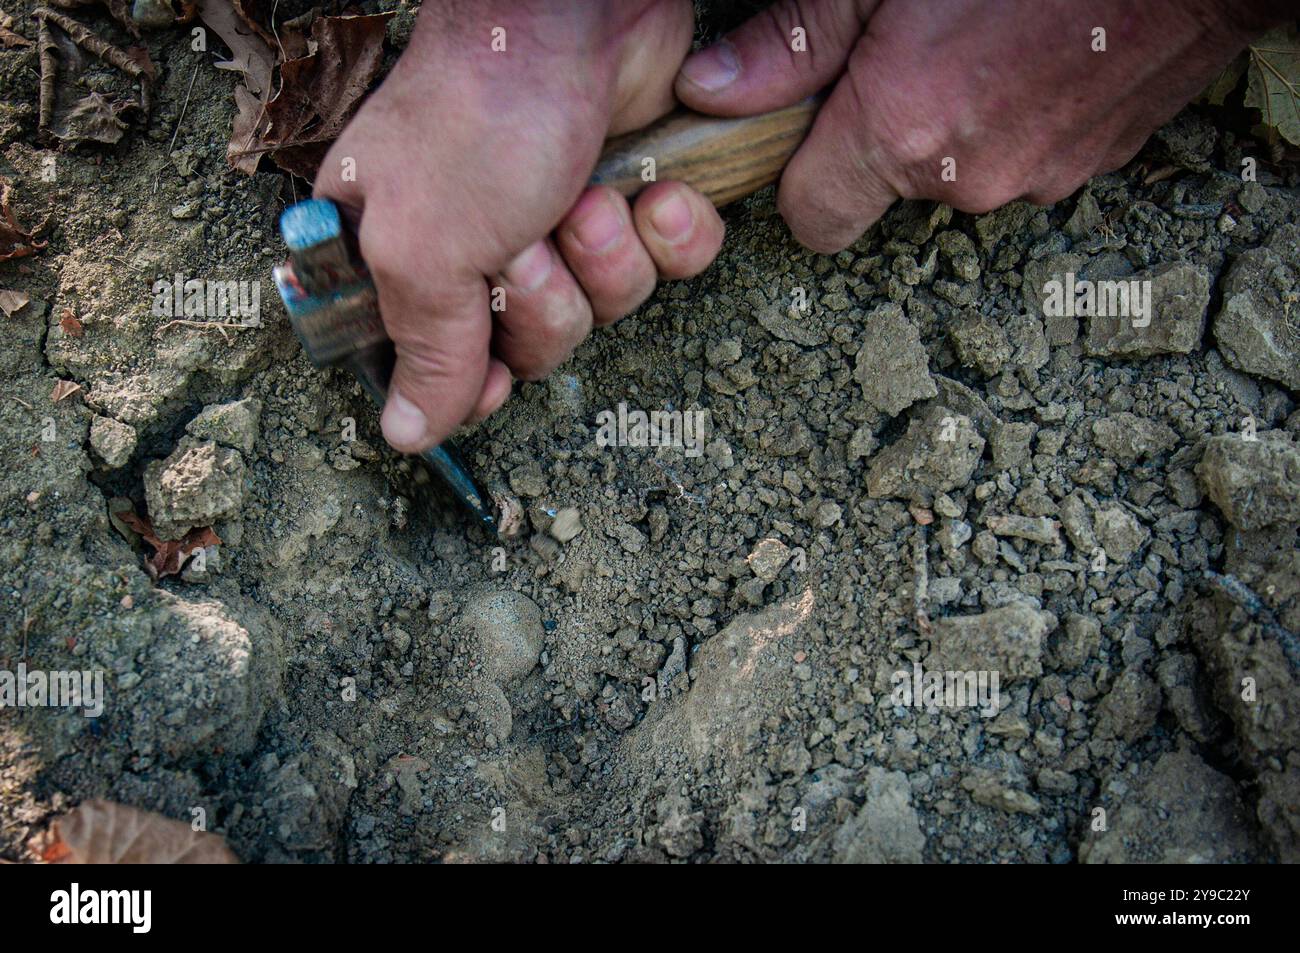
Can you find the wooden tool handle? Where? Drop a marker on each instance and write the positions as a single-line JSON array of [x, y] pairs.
[[726, 159]]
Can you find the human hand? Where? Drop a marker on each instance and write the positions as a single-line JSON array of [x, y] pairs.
[[468, 158], [973, 103]]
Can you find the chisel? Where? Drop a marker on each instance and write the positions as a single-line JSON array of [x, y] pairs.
[[333, 305]]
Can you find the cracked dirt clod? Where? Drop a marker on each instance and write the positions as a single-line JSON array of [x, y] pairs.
[[1256, 483], [1008, 640], [1180, 297], [1258, 327], [938, 453], [198, 484], [892, 367], [231, 425], [113, 440]]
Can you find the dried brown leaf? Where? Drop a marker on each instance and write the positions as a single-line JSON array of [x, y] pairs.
[[101, 832], [319, 93], [15, 241], [170, 555], [64, 389], [71, 325], [11, 302], [249, 53], [7, 36]]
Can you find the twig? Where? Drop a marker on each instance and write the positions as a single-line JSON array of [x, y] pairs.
[[920, 580], [222, 326], [87, 40], [1244, 596], [45, 51], [20, 401], [184, 106]]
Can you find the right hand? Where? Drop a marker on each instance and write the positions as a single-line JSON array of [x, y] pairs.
[[467, 160]]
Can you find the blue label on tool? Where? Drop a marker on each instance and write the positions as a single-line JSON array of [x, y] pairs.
[[310, 223]]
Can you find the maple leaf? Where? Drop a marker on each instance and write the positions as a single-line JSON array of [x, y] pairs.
[[1274, 85], [102, 832], [15, 241]]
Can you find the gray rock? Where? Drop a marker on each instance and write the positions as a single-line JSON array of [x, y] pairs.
[[1118, 532], [507, 629], [1256, 483], [1079, 641], [768, 558], [197, 485], [892, 366], [679, 826], [1009, 444], [1258, 327], [980, 342], [1008, 640], [232, 425], [527, 479], [1181, 811], [113, 440], [886, 830], [993, 792], [566, 525], [939, 452], [1130, 708], [1180, 296], [1129, 438]]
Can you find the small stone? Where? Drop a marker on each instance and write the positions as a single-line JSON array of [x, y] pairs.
[[196, 485], [1180, 297], [187, 210], [232, 425], [1129, 438], [1256, 483], [507, 629], [892, 365], [980, 342], [768, 558], [938, 453], [1007, 640], [566, 525], [1118, 532], [113, 440], [1258, 326], [527, 479], [1038, 529], [1010, 444], [993, 793]]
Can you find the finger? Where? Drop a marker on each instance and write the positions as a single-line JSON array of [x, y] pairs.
[[834, 188], [438, 321], [601, 247], [679, 227], [546, 314], [788, 51], [647, 65], [496, 391]]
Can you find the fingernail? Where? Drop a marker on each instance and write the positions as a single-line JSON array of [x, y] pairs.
[[672, 218], [596, 223], [714, 68], [530, 268], [403, 423]]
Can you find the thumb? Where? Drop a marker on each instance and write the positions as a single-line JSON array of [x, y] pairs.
[[789, 51], [439, 323]]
